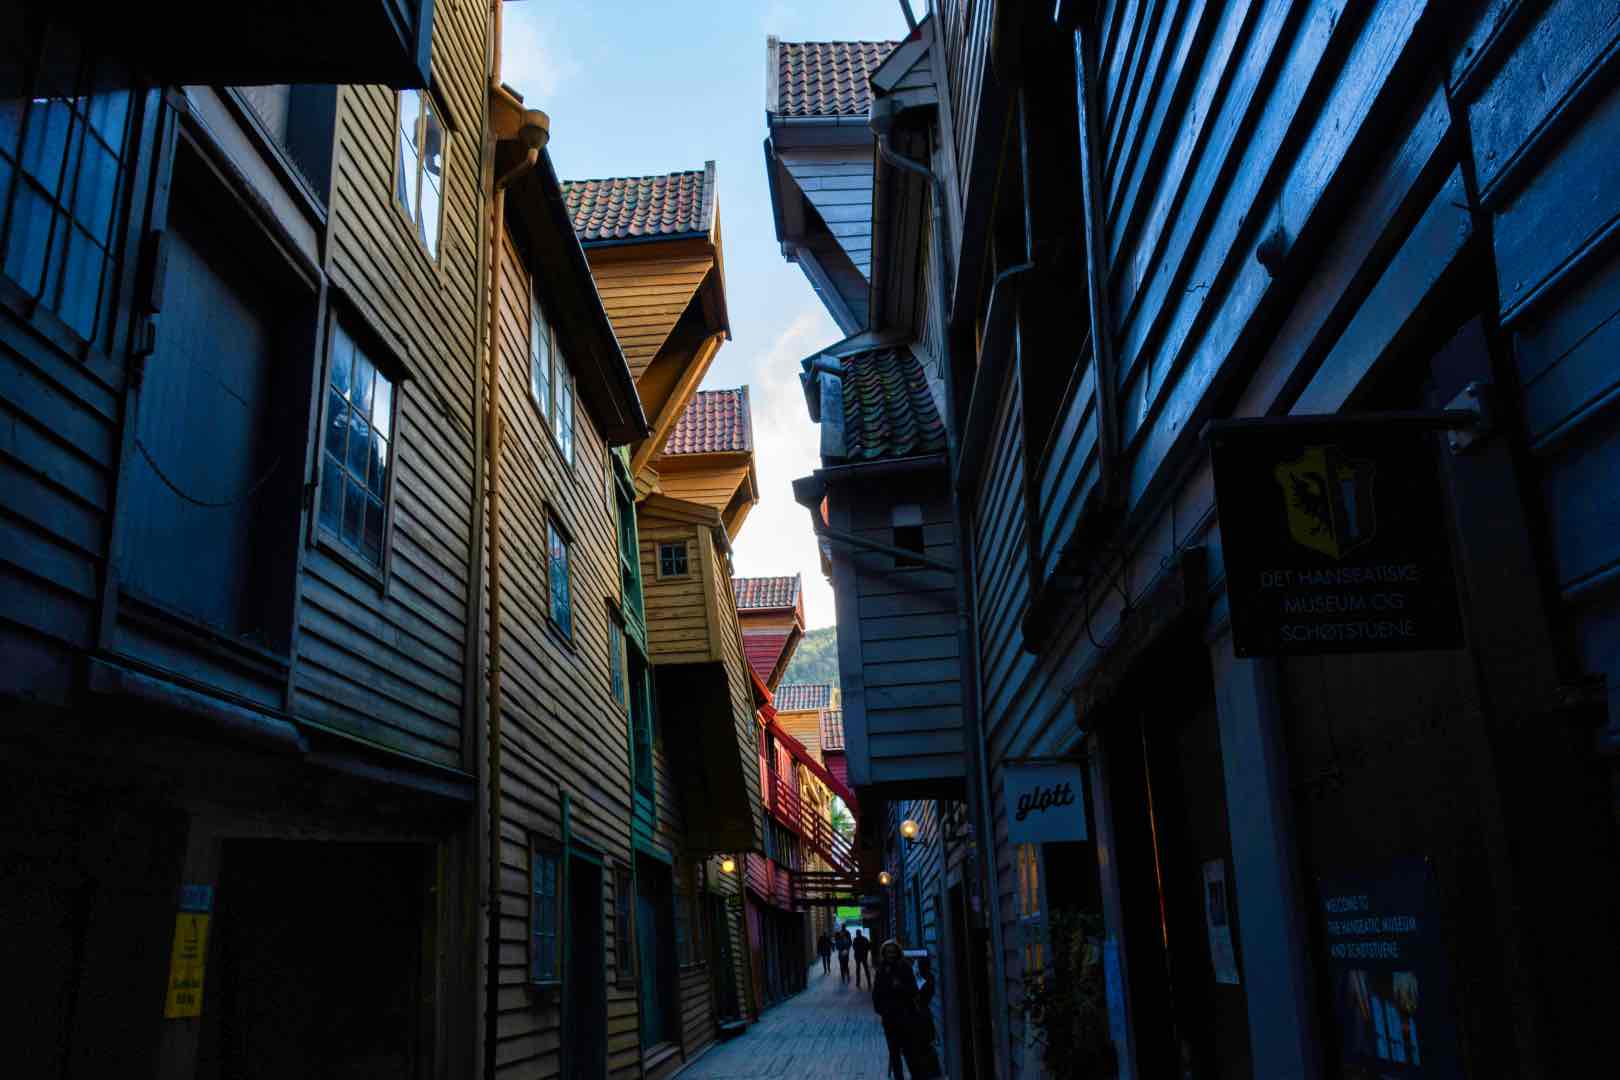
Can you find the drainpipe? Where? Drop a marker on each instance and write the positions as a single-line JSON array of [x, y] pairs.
[[534, 131], [882, 123]]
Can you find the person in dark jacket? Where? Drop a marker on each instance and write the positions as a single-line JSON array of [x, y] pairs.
[[842, 943], [863, 950], [824, 950], [899, 1003]]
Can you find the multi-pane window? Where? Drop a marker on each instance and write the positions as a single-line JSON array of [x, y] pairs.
[[545, 913], [355, 463], [551, 384], [1031, 922], [672, 559], [629, 553], [689, 917], [62, 173], [641, 724], [419, 168], [562, 615], [624, 943], [616, 645]]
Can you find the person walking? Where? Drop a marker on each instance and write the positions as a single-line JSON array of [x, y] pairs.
[[901, 1001], [824, 950], [863, 950], [842, 942]]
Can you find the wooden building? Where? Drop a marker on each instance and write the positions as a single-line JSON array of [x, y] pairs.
[[1099, 228], [240, 329], [771, 612], [655, 251], [800, 709]]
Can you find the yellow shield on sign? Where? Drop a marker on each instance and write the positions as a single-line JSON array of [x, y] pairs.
[[1329, 500]]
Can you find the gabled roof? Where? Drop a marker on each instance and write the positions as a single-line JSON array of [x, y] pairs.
[[888, 410], [763, 650], [832, 730], [766, 593], [628, 208], [802, 697], [825, 78], [715, 422]]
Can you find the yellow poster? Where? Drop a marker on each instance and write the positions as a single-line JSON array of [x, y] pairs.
[[186, 966]]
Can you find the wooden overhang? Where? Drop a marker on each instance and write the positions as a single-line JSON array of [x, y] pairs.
[[203, 42], [540, 221], [697, 716], [901, 199]]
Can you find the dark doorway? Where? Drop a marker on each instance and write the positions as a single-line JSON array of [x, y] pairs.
[[317, 967], [586, 1001], [655, 929]]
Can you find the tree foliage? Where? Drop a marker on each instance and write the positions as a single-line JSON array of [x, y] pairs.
[[816, 660]]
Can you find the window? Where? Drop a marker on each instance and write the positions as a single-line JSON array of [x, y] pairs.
[[562, 616], [1032, 925], [908, 534], [551, 384], [629, 547], [672, 559], [641, 724], [689, 920], [545, 913], [355, 462], [616, 679], [61, 180], [419, 168], [624, 940]]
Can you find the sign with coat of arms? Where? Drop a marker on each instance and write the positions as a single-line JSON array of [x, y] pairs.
[[1334, 536]]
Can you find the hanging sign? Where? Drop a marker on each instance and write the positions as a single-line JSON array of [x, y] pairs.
[[1387, 964], [1334, 536], [190, 951], [1044, 803]]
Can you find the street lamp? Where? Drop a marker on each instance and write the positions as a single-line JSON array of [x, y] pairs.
[[909, 830], [728, 865], [885, 878]]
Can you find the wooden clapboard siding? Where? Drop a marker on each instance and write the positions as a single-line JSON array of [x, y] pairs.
[[729, 650], [837, 182], [677, 612], [562, 730], [388, 664], [646, 297], [1001, 579], [804, 726], [965, 26], [709, 479]]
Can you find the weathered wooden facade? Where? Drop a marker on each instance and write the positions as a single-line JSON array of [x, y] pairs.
[[240, 557], [771, 613], [1137, 218]]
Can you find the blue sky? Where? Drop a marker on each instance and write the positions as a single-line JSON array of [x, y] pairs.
[[637, 88]]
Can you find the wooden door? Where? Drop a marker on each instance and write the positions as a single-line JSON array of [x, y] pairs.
[[655, 933], [586, 1001]]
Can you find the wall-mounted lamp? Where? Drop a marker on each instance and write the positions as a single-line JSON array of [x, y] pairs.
[[909, 829], [728, 865], [885, 878]]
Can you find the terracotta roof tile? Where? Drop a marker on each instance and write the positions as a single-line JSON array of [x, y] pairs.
[[765, 593], [888, 411], [762, 649], [832, 730], [827, 78], [628, 207], [715, 422], [802, 697]]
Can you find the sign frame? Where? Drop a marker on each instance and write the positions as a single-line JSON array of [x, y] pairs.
[[1032, 789]]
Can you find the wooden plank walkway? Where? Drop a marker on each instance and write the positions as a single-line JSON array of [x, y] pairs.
[[827, 1031]]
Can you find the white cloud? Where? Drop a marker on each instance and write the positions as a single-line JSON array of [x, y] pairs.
[[533, 60], [777, 538]]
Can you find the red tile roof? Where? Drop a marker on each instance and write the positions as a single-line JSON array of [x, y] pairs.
[[802, 697], [636, 207], [827, 78], [888, 411], [766, 593], [715, 422], [763, 648], [832, 730]]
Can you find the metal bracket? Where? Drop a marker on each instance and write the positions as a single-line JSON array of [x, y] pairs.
[[1475, 400]]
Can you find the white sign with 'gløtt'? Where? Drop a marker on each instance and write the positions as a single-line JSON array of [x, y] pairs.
[[1045, 804]]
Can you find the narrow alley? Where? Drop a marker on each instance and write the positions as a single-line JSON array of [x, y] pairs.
[[828, 1030]]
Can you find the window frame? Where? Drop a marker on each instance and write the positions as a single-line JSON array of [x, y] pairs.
[[556, 531], [686, 560], [643, 780], [618, 659], [386, 363], [560, 382], [541, 847], [426, 95]]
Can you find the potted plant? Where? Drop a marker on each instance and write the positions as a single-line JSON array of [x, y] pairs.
[[1066, 1002]]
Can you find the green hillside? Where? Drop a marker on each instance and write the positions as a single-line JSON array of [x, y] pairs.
[[816, 660]]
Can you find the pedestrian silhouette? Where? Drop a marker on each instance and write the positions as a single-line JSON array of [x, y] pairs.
[[824, 949], [901, 999], [842, 941], [863, 950]]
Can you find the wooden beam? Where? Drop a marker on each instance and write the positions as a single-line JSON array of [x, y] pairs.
[[677, 401]]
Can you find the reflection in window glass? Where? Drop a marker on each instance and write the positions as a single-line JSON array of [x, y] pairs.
[[557, 572], [544, 906], [419, 167], [356, 462], [61, 175]]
